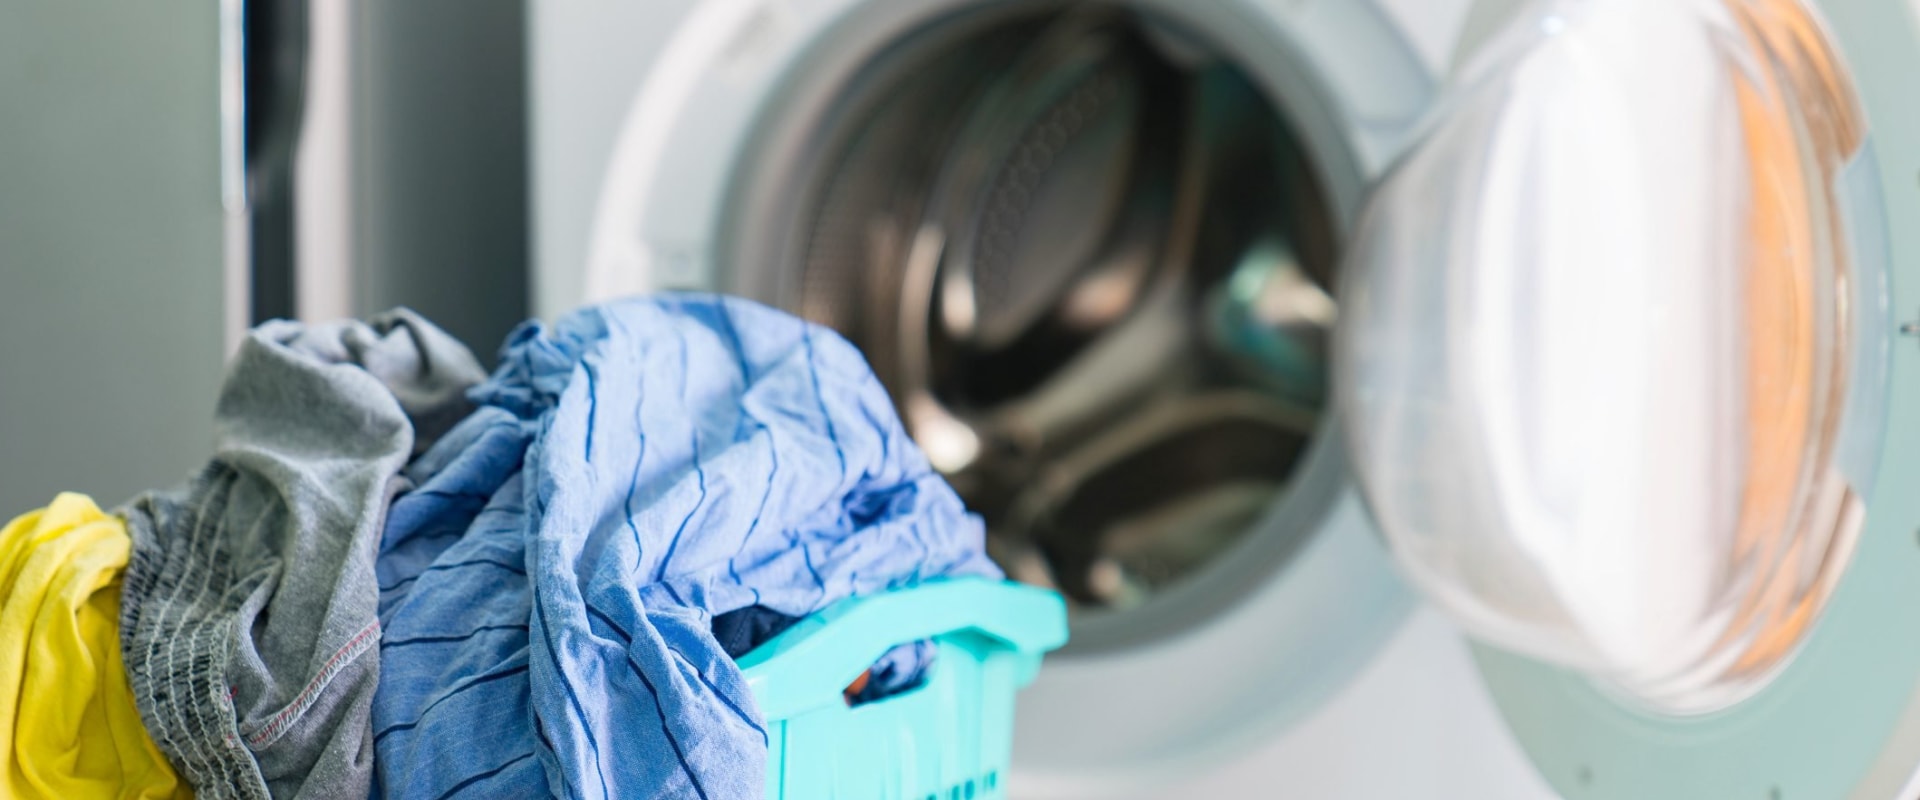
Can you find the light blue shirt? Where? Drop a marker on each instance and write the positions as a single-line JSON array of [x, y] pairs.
[[547, 590]]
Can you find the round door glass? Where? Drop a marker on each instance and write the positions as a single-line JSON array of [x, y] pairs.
[[1613, 342]]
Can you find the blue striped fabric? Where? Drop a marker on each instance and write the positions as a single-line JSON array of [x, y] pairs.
[[547, 590]]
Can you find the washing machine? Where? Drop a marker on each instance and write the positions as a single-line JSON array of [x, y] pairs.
[[1412, 397], [1455, 398]]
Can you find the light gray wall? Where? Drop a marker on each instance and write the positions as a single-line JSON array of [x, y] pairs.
[[111, 309]]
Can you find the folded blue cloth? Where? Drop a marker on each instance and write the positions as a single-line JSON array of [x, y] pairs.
[[547, 590]]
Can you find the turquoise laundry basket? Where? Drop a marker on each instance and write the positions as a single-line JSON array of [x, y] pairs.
[[948, 739]]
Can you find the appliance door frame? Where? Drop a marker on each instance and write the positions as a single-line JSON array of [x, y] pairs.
[[715, 117]]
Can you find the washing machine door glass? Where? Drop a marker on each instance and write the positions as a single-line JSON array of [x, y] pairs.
[[1612, 348]]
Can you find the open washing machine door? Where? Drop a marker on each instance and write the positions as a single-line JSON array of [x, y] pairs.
[[1097, 251], [1615, 358]]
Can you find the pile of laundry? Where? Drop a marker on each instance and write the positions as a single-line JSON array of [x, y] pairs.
[[398, 576]]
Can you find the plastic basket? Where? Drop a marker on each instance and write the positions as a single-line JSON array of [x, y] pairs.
[[949, 738]]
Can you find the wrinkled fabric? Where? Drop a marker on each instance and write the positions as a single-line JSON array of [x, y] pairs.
[[549, 589], [248, 617], [69, 729]]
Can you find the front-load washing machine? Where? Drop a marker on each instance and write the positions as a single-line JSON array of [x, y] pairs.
[[1588, 313], [1267, 331]]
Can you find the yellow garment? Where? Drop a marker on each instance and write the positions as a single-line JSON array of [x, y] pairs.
[[68, 725]]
